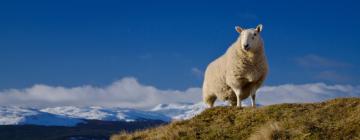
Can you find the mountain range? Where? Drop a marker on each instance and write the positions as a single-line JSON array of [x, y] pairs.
[[72, 116]]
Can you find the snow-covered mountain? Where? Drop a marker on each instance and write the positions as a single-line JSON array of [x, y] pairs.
[[20, 116], [106, 114], [180, 111], [71, 116]]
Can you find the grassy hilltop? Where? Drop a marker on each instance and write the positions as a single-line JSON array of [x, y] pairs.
[[334, 119]]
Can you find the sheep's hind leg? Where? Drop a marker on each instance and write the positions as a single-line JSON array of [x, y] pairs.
[[253, 96], [238, 99]]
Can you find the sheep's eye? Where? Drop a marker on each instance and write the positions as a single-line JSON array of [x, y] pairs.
[[254, 34]]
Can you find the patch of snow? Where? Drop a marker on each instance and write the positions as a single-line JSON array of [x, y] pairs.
[[83, 113], [184, 111], [71, 116], [22, 116], [106, 114]]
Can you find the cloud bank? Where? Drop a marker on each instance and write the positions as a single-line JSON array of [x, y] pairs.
[[316, 61], [197, 72], [305, 93], [325, 69], [129, 93], [126, 93]]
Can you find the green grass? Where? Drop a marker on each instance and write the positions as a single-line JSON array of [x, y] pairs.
[[331, 120]]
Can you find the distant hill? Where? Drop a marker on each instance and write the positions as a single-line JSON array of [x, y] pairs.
[[73, 123], [334, 119], [73, 116], [86, 123], [90, 130]]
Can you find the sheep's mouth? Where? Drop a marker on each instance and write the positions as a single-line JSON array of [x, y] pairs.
[[246, 48]]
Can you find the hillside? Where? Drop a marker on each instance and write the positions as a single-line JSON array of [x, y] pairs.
[[333, 119]]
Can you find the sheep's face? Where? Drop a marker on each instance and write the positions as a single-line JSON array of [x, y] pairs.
[[250, 39]]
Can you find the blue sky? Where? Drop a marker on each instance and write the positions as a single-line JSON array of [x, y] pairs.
[[168, 44]]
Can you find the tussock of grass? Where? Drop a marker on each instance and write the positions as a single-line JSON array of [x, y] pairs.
[[270, 131], [334, 119]]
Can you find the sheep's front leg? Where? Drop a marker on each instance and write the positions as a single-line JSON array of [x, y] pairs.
[[238, 99]]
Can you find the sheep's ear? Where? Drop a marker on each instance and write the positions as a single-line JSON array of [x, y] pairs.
[[259, 28], [238, 29]]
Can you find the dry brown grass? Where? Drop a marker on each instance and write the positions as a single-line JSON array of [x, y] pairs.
[[270, 131], [332, 120]]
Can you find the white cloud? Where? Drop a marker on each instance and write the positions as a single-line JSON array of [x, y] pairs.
[[333, 76], [316, 61], [129, 93], [197, 72], [325, 69], [305, 93]]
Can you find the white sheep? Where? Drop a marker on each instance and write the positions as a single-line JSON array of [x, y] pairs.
[[239, 72]]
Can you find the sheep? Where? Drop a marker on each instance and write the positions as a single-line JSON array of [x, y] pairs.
[[238, 73]]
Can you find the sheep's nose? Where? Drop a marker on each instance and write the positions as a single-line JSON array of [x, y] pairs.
[[246, 46]]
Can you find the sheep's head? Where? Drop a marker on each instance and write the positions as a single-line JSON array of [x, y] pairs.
[[250, 39]]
